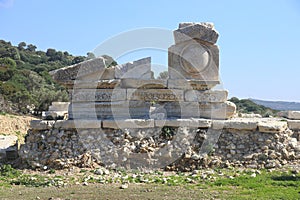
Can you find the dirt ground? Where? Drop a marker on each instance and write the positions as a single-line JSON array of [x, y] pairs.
[[10, 124]]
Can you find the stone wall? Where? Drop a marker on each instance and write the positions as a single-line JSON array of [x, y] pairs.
[[254, 143]]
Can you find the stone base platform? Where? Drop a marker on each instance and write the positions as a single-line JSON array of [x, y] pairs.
[[177, 144], [264, 125]]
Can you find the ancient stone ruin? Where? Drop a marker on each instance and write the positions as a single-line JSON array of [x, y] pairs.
[[120, 116]]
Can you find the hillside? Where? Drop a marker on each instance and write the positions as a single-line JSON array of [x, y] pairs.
[[25, 84], [248, 106], [278, 105]]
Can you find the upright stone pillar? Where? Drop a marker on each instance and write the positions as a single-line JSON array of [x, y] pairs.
[[193, 65]]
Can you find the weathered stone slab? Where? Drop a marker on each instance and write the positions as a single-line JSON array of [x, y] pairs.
[[155, 94], [78, 124], [143, 84], [294, 124], [128, 123], [89, 84], [139, 69], [201, 31], [94, 67], [218, 124], [191, 84], [109, 110], [241, 124], [86, 95], [213, 96], [192, 122], [272, 126], [290, 114], [200, 110], [193, 60]]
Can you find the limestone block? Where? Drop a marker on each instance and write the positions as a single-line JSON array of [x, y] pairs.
[[206, 96], [201, 31], [78, 124], [224, 110], [218, 124], [8, 144], [241, 124], [41, 124], [94, 67], [191, 84], [155, 94], [128, 123], [109, 110], [86, 95], [140, 69], [193, 60], [191, 122], [59, 106], [145, 84], [7, 140], [90, 84], [272, 126], [204, 110], [294, 124], [290, 114]]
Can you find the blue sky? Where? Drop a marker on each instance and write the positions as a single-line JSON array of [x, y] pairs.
[[259, 39]]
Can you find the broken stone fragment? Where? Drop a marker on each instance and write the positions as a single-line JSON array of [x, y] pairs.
[[201, 31], [94, 67], [139, 69]]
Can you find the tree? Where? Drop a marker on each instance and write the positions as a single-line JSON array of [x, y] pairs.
[[31, 48], [163, 75], [78, 59], [21, 45], [90, 55], [50, 52]]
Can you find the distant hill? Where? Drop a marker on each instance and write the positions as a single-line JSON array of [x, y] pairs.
[[278, 105], [248, 106]]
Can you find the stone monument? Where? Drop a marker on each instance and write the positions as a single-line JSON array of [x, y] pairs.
[[119, 115], [128, 91]]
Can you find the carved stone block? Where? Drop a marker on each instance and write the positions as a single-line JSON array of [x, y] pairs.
[[155, 94], [191, 84], [90, 95], [206, 96], [200, 110], [110, 110], [194, 60]]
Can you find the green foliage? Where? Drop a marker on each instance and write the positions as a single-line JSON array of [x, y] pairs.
[[167, 132], [248, 106], [25, 79], [7, 63], [163, 75], [9, 172]]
